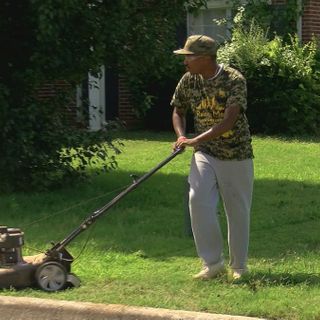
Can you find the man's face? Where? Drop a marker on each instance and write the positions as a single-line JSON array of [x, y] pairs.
[[196, 64]]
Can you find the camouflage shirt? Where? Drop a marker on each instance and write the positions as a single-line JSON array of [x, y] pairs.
[[208, 100]]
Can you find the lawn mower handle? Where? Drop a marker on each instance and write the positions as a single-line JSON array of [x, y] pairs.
[[58, 248]]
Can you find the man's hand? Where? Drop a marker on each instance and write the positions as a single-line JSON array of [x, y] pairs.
[[176, 144], [183, 142]]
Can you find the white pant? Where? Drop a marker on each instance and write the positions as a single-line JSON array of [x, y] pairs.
[[233, 180]]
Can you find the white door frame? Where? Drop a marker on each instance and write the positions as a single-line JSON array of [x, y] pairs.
[[97, 101]]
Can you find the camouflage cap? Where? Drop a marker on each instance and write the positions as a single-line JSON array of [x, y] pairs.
[[200, 45]]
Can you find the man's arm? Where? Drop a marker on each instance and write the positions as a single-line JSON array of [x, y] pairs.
[[179, 125], [179, 122], [230, 117]]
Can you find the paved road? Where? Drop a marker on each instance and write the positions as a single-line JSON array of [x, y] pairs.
[[13, 308]]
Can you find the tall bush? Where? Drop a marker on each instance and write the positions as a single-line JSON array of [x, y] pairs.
[[283, 79]]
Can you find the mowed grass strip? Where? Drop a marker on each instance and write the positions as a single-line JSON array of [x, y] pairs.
[[140, 254]]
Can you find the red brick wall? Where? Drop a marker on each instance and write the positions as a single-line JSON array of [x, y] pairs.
[[126, 111], [311, 20], [49, 90]]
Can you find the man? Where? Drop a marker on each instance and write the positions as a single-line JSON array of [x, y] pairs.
[[222, 160]]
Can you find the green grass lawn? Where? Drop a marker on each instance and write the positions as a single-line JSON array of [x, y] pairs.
[[140, 254]]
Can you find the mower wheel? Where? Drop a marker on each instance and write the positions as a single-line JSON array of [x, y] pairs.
[[51, 276]]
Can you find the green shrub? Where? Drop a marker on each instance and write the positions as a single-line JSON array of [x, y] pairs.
[[39, 149], [283, 81]]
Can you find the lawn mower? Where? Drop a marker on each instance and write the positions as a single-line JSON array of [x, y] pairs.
[[51, 271]]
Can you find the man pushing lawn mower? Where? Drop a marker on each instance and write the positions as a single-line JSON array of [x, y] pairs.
[[222, 161]]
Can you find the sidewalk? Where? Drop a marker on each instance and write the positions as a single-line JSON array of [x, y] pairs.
[[13, 308]]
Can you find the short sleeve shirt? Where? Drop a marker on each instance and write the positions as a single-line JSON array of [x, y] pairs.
[[208, 100]]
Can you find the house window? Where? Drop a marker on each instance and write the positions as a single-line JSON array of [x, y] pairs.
[[204, 21]]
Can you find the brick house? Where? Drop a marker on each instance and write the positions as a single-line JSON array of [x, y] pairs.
[[110, 95]]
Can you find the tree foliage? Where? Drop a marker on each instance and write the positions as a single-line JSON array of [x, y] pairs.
[[52, 40], [280, 19]]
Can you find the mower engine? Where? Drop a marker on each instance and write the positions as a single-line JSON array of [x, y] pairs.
[[11, 241], [14, 271], [50, 272]]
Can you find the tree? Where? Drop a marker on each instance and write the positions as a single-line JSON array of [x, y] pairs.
[[52, 40]]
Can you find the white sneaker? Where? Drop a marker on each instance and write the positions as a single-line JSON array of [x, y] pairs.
[[209, 272], [239, 273]]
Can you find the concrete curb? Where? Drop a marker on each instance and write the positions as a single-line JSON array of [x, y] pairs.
[[13, 308]]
